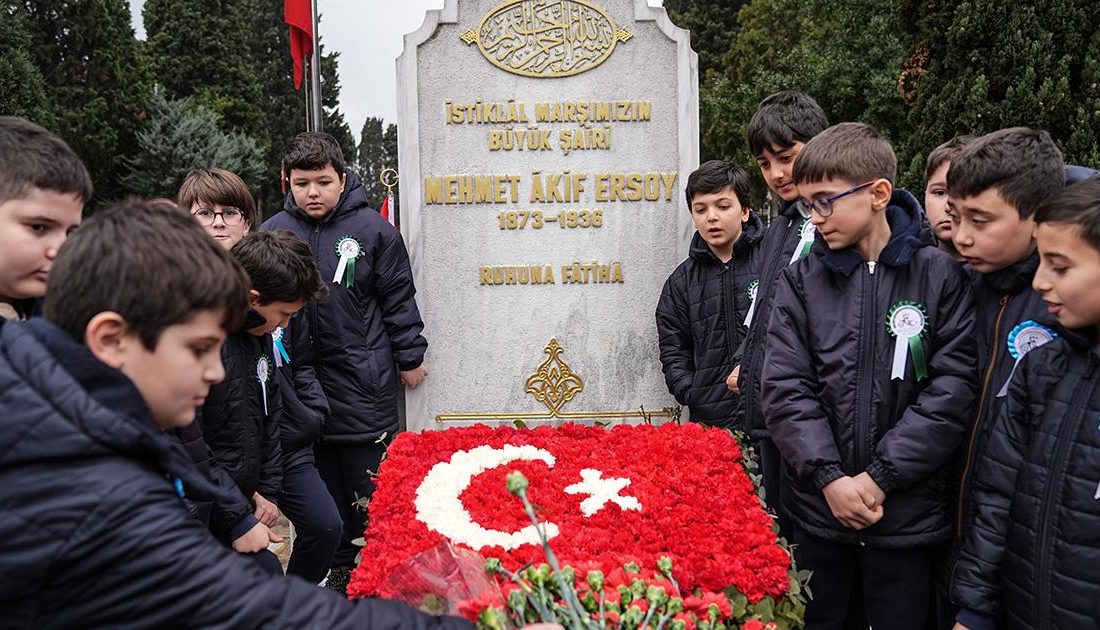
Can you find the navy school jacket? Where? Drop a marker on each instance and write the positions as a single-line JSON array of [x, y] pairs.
[[830, 403], [1031, 558], [1006, 309], [701, 321], [786, 237], [304, 405], [240, 417], [93, 532], [362, 334]]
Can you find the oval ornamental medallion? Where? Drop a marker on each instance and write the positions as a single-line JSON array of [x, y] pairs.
[[547, 38]]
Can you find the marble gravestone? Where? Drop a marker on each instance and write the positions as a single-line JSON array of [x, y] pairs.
[[544, 147]]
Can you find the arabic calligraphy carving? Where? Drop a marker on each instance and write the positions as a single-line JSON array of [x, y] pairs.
[[547, 38]]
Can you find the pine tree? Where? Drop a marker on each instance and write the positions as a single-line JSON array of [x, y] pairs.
[[96, 84], [200, 49], [847, 54], [24, 92], [1009, 64], [182, 135]]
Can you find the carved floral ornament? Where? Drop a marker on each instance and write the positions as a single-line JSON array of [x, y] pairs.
[[547, 38]]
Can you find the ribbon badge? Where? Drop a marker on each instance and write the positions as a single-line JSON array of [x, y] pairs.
[[263, 374], [279, 348], [754, 287], [348, 249], [906, 322], [805, 241], [1025, 337]]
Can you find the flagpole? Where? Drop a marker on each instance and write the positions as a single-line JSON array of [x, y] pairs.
[[315, 75]]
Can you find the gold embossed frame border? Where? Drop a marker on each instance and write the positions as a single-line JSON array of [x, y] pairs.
[[547, 38], [553, 384]]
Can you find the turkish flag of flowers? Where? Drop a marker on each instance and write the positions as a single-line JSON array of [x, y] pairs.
[[646, 491]]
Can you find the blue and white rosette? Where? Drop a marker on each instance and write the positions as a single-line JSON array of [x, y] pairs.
[[906, 322], [263, 374], [754, 287], [1025, 337], [348, 249], [278, 348]]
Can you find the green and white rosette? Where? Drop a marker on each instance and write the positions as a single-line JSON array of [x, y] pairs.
[[805, 241], [906, 322], [1025, 337], [348, 249], [754, 287], [279, 348], [263, 374]]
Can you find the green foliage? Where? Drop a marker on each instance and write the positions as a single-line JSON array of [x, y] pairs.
[[24, 92], [998, 65], [182, 135], [95, 83], [845, 53]]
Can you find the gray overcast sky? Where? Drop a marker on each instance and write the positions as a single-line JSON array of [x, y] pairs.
[[368, 35]]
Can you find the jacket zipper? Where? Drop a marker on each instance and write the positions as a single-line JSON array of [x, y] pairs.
[[1054, 481], [729, 303], [314, 319], [866, 368], [866, 371], [766, 280], [975, 431]]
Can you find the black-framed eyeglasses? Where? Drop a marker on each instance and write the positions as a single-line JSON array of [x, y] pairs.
[[230, 216], [824, 206]]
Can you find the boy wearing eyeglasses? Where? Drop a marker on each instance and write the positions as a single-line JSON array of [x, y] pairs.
[[221, 203], [868, 376]]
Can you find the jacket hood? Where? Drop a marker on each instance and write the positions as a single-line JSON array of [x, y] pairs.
[[752, 231], [80, 407], [352, 199], [790, 210], [904, 216]]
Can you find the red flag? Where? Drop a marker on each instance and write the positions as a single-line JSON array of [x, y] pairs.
[[606, 497], [299, 15], [384, 210]]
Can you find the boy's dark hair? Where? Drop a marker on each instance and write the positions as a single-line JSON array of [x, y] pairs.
[[946, 152], [281, 267], [854, 152], [715, 175], [1078, 205], [313, 151], [1023, 165], [783, 119], [218, 186], [31, 157], [156, 271]]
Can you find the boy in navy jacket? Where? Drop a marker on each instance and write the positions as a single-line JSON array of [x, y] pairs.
[[868, 372], [43, 189], [94, 531], [1030, 558], [366, 339], [709, 298], [779, 129]]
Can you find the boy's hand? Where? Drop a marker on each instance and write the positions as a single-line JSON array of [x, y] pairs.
[[846, 500], [266, 511], [731, 380], [255, 539], [871, 491], [412, 378]]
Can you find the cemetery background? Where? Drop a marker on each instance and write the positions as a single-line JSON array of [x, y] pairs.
[[921, 70]]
